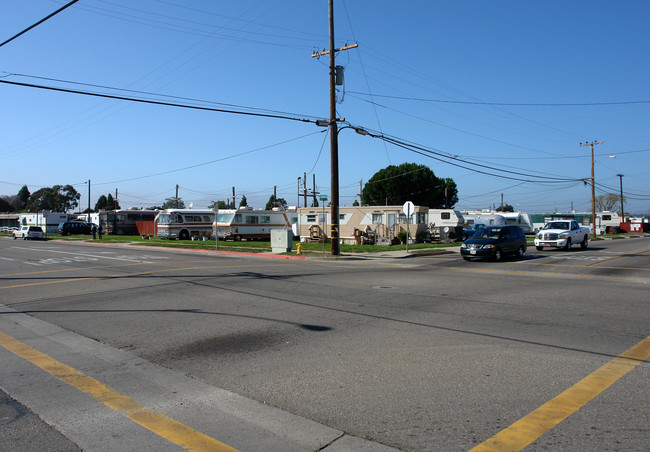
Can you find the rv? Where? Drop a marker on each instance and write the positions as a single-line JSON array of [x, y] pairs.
[[246, 223]]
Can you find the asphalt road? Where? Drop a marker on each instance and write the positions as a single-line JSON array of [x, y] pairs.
[[426, 353]]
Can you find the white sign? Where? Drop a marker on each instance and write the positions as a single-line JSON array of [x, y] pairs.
[[408, 208]]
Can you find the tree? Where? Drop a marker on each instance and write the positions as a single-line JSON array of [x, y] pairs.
[[221, 205], [56, 199], [355, 203], [23, 197], [170, 203], [505, 208], [394, 185], [276, 202], [5, 205], [14, 201], [101, 203], [608, 202], [243, 202]]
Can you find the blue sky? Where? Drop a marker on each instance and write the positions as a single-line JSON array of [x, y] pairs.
[[514, 85]]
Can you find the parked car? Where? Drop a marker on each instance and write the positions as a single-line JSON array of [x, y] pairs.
[[75, 227], [29, 232], [494, 242]]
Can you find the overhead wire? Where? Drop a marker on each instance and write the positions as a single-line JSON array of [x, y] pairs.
[[39, 22], [511, 104], [156, 102]]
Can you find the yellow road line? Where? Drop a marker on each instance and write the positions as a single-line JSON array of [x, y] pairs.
[[165, 427], [531, 427]]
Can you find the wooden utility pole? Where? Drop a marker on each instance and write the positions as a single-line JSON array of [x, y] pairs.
[[622, 211], [299, 179], [176, 198], [334, 145], [304, 188], [88, 201], [593, 188]]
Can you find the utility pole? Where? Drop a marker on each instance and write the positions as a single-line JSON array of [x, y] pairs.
[[593, 188], [361, 192], [275, 196], [115, 204], [304, 189], [299, 179], [620, 176], [233, 198], [313, 189], [334, 145], [176, 196], [88, 200]]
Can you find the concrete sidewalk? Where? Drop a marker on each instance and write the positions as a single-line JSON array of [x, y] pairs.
[[88, 417]]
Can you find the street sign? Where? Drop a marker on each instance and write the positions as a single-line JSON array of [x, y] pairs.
[[322, 197], [408, 208]]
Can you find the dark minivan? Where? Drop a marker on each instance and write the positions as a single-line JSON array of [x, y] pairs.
[[75, 227], [494, 242]]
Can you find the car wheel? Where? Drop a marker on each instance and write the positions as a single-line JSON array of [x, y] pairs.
[[567, 247], [585, 243], [237, 238], [521, 252], [15, 237], [498, 255], [183, 235]]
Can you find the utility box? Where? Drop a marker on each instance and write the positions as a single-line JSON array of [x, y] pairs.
[[281, 240]]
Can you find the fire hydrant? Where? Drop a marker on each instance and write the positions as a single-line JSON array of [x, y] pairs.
[[299, 248]]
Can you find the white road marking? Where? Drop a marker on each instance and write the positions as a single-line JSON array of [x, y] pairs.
[[91, 256]]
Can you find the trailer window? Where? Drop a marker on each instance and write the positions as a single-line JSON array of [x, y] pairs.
[[377, 218], [265, 219], [445, 215], [252, 219], [311, 218]]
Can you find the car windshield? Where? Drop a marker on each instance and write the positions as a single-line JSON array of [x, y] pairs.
[[557, 225], [487, 233]]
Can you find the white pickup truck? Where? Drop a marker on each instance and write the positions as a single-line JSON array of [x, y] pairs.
[[562, 234]]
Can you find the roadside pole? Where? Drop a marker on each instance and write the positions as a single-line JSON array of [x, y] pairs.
[[407, 209]]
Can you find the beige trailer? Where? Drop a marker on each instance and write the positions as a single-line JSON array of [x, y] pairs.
[[362, 224]]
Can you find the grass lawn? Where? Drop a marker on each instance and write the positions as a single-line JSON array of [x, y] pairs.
[[265, 246]]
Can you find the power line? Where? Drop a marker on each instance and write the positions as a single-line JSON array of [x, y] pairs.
[[440, 156], [39, 22], [154, 102], [157, 102], [502, 104]]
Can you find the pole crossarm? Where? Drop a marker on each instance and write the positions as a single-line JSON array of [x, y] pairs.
[[326, 52]]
